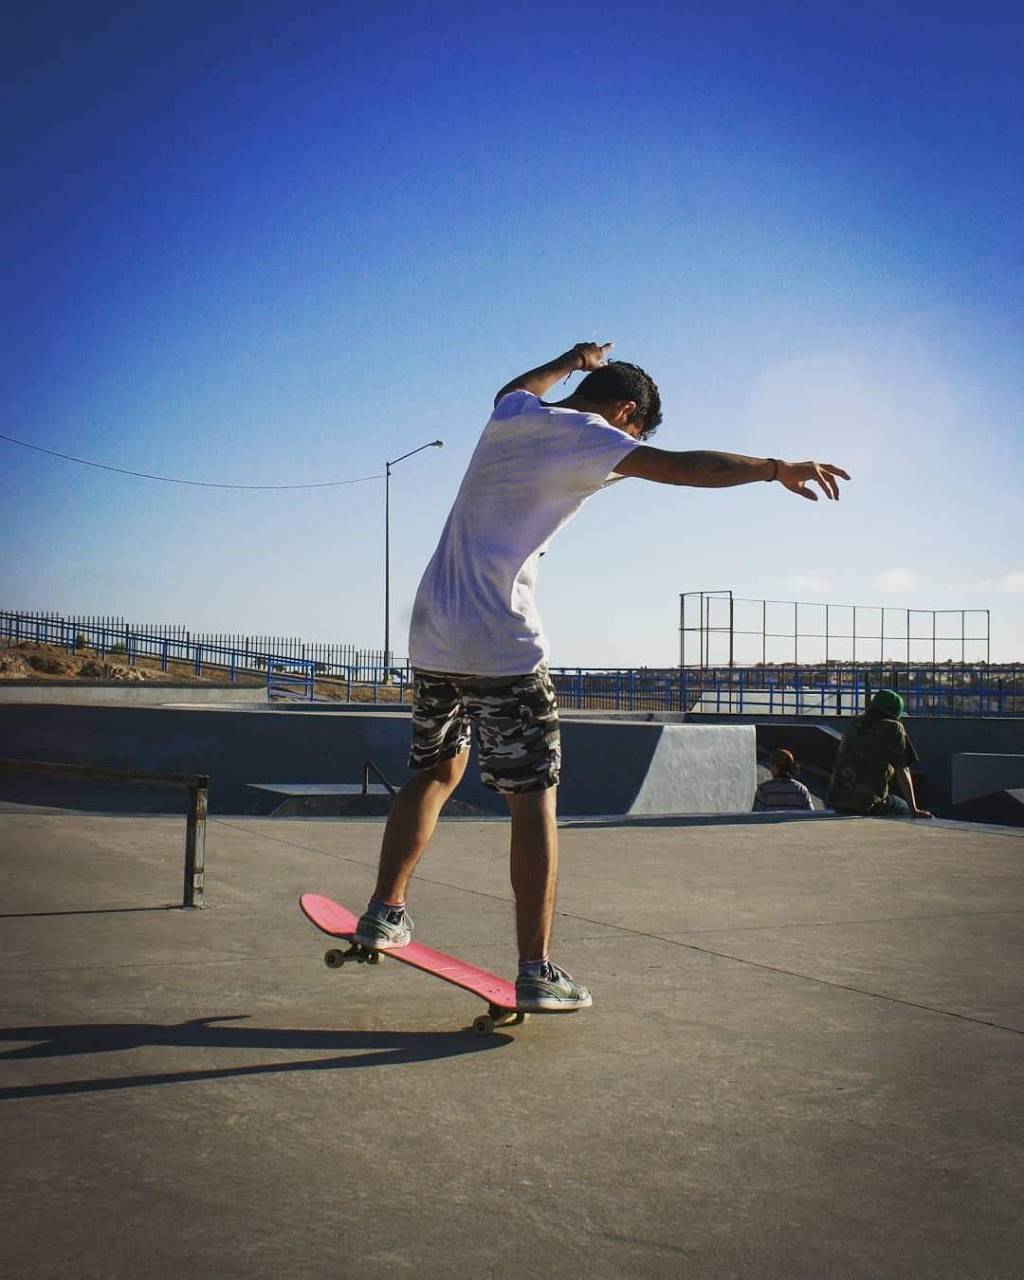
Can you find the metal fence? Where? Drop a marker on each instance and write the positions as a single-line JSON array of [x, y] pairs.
[[117, 635], [950, 690]]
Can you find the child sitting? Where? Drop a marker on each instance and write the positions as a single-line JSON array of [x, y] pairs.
[[781, 790]]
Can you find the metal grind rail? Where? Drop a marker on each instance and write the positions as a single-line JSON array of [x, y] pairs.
[[197, 785]]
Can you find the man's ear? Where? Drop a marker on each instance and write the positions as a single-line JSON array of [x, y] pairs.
[[625, 412]]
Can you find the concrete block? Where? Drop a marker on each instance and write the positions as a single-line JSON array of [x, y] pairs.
[[979, 773]]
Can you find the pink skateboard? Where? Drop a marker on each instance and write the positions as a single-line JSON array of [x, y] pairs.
[[339, 922]]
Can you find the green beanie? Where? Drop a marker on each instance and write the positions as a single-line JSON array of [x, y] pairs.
[[888, 703]]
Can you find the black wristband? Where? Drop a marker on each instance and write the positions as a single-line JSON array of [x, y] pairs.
[[775, 469]]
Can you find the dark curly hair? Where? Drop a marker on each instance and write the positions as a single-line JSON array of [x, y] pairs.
[[619, 380]]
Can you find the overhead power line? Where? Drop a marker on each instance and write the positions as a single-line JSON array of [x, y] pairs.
[[201, 484]]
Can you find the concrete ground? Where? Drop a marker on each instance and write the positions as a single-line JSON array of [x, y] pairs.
[[804, 1058]]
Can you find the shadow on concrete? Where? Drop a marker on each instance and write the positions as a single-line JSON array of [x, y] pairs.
[[1002, 808], [358, 1049]]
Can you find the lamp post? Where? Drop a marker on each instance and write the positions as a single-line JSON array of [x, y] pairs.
[[431, 444]]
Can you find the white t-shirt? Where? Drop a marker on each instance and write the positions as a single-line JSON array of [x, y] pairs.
[[532, 470]]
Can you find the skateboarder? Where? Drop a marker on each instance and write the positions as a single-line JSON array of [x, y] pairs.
[[477, 645]]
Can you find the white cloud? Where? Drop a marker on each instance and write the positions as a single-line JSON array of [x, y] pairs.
[[897, 580], [1010, 583]]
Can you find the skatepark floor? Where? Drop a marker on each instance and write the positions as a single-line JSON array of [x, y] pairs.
[[804, 1058]]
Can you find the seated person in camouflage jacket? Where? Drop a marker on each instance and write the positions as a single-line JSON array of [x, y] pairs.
[[874, 754]]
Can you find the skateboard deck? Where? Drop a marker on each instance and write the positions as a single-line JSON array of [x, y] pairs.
[[337, 921]]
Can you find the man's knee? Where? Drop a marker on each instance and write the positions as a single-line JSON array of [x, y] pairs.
[[447, 773], [536, 800]]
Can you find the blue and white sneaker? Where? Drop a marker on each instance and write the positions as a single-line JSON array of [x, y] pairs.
[[551, 991], [383, 928]]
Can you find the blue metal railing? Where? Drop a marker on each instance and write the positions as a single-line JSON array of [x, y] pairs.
[[935, 691], [287, 676]]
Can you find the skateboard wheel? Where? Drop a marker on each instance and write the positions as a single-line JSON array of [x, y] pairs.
[[373, 957], [483, 1025], [519, 1019], [334, 959]]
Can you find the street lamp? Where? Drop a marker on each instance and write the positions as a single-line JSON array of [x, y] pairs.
[[432, 444]]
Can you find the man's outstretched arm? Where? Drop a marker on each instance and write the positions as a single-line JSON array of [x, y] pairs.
[[701, 469], [905, 783], [539, 381]]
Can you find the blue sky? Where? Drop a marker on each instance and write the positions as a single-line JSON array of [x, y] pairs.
[[272, 244]]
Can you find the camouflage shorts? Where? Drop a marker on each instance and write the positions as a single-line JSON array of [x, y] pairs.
[[516, 723]]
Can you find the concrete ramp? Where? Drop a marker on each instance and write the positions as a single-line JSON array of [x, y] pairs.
[[612, 767], [609, 767]]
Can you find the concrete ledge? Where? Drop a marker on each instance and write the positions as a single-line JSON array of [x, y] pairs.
[[767, 818], [117, 693]]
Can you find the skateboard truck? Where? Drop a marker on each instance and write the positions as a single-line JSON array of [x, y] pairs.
[[497, 1017], [334, 958]]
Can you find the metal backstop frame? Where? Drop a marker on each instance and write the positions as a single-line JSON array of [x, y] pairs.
[[712, 633]]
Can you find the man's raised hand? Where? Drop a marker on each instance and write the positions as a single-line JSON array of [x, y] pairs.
[[795, 475], [592, 354]]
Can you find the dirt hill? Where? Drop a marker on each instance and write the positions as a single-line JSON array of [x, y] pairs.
[[52, 664]]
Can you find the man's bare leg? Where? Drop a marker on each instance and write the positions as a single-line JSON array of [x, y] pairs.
[[411, 823], [534, 868]]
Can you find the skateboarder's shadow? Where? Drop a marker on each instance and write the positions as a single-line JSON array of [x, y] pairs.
[[347, 1049]]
